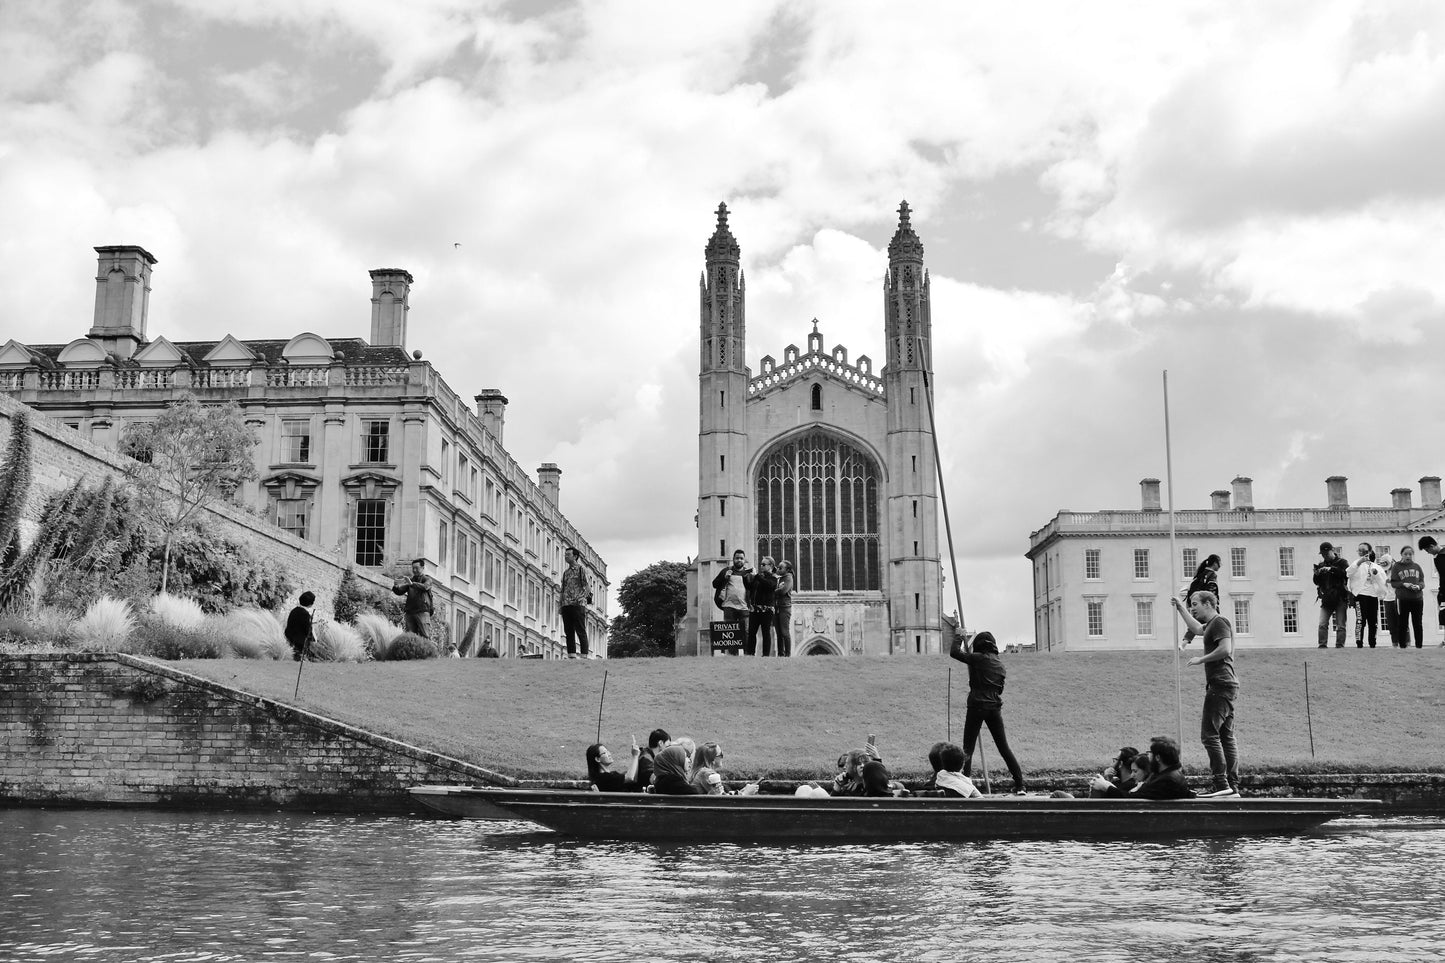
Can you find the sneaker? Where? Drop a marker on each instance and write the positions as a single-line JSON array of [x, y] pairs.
[[1219, 793]]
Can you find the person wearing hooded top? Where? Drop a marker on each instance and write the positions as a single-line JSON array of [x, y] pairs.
[[1366, 584], [1206, 579], [1408, 580], [601, 775], [985, 701], [670, 775], [950, 778], [876, 779], [1165, 779]]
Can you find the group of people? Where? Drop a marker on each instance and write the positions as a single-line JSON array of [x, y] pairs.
[[1155, 774], [761, 602], [1375, 585], [671, 767]]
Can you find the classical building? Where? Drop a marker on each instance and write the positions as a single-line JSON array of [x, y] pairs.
[[1101, 579], [820, 461], [363, 448]]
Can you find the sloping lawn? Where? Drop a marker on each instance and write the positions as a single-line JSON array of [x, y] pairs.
[[1372, 709]]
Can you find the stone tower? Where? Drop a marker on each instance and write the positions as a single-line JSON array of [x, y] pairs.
[[913, 585]]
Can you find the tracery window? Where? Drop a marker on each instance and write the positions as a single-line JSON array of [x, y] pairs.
[[818, 508]]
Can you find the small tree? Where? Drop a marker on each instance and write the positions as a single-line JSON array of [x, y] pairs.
[[186, 459], [652, 601]]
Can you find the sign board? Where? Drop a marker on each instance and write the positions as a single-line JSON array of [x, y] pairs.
[[728, 636]]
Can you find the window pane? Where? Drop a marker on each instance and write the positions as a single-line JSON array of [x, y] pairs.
[[370, 531]]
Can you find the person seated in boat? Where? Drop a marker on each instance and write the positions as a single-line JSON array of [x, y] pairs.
[[935, 760], [950, 778], [704, 758], [878, 782], [1165, 779], [849, 781], [657, 740], [604, 778], [1102, 787], [1116, 774], [670, 775], [689, 746]]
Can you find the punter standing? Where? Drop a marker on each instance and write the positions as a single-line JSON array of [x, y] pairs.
[[1221, 688]]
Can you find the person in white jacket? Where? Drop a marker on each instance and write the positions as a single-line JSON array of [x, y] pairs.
[[1389, 611], [1366, 583]]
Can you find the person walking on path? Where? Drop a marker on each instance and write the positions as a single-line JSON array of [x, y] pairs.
[[1330, 588], [761, 586], [576, 596], [783, 608], [986, 675], [1365, 582], [1221, 689], [298, 625], [416, 610], [1408, 578], [1428, 544]]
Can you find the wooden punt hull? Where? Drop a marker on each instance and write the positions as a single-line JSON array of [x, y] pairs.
[[636, 816]]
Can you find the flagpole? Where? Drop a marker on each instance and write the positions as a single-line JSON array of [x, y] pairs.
[[1173, 579]]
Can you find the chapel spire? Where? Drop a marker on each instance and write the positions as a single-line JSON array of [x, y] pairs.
[[722, 246], [905, 244]]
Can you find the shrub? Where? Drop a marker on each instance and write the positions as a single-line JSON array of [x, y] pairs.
[[336, 643], [46, 627], [409, 645], [376, 633], [107, 626], [220, 573], [176, 611], [160, 639], [250, 634], [350, 598]]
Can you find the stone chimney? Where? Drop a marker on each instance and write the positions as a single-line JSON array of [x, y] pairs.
[[1219, 500], [1430, 492], [122, 298], [1149, 494], [1335, 490], [1243, 493], [549, 479], [1400, 498], [390, 290], [492, 409]]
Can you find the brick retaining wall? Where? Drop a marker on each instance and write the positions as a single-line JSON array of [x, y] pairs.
[[122, 730]]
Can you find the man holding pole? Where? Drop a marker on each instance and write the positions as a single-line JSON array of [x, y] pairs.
[[1221, 688]]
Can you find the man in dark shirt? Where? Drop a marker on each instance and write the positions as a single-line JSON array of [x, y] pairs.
[[1221, 688], [1331, 573], [657, 740], [417, 608], [298, 625], [1428, 544]]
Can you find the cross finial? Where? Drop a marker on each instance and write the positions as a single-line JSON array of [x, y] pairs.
[[722, 215], [903, 212], [815, 325]]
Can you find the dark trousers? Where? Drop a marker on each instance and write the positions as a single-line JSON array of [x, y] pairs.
[[1390, 616], [1216, 731], [574, 623], [1412, 613], [976, 718], [415, 622], [760, 621], [1336, 611], [1367, 619], [783, 624]]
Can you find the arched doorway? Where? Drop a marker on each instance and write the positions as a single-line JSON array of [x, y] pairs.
[[820, 646]]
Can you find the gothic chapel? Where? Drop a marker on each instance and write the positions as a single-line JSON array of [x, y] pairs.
[[821, 462]]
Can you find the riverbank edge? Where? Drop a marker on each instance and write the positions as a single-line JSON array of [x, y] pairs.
[[1401, 791]]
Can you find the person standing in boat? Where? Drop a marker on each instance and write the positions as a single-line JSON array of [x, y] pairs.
[[986, 676], [1221, 689]]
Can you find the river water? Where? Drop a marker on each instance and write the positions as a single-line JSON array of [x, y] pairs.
[[110, 885]]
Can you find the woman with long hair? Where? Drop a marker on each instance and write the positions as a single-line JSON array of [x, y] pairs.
[[601, 774], [986, 676], [704, 775]]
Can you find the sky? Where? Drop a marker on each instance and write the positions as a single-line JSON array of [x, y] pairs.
[[1250, 196]]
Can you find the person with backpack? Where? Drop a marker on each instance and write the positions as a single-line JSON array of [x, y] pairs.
[[1331, 574], [418, 607]]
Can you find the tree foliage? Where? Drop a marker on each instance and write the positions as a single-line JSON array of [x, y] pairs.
[[187, 458], [653, 601], [15, 477]]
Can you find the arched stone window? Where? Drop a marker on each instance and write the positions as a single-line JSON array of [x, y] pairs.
[[818, 508], [817, 397]]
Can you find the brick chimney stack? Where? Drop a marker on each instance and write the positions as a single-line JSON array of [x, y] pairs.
[[1219, 500], [1430, 492], [1400, 498], [1149, 494], [1243, 494], [122, 298], [1339, 496]]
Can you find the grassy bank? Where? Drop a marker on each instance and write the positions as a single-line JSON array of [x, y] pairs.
[[1374, 709]]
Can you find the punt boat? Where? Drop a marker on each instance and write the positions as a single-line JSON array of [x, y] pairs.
[[845, 819]]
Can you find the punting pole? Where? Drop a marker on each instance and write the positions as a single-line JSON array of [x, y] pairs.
[[301, 663], [949, 715], [1173, 577], [1308, 721], [948, 531], [600, 701]]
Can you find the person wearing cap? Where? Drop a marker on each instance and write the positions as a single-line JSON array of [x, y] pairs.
[[417, 609], [1331, 574], [1428, 544]]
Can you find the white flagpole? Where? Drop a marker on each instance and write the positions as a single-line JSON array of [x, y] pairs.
[[1173, 579]]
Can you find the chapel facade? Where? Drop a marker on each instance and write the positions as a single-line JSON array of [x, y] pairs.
[[821, 461]]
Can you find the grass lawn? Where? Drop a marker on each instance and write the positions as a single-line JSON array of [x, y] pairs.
[[1372, 709]]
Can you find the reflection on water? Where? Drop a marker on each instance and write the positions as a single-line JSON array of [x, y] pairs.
[[112, 886]]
